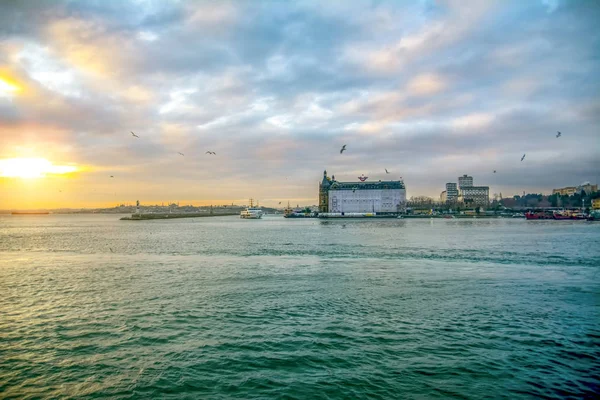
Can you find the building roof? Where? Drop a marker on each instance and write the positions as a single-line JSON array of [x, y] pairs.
[[335, 185]]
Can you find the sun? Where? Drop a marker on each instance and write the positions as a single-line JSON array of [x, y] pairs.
[[6, 86], [28, 168]]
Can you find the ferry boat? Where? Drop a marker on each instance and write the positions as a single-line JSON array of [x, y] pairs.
[[252, 212]]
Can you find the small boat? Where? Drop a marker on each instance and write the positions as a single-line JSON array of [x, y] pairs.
[[252, 212]]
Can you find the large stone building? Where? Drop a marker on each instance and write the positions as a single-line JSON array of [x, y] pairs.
[[361, 197]]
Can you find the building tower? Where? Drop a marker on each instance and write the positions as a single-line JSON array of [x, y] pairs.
[[465, 181], [324, 193]]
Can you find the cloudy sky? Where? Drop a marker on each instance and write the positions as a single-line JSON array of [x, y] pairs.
[[428, 89]]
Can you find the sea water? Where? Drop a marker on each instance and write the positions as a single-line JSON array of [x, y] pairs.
[[94, 307]]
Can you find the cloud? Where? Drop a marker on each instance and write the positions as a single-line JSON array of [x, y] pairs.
[[430, 90]]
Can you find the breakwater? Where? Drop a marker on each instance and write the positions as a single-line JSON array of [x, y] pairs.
[[142, 217]]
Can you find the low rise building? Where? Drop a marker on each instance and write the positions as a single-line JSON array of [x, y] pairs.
[[596, 204], [443, 197]]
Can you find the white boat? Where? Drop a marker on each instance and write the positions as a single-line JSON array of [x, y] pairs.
[[252, 212]]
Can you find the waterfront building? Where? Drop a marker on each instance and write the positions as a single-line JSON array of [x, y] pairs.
[[443, 197], [476, 195], [452, 192], [596, 204], [465, 181], [361, 197]]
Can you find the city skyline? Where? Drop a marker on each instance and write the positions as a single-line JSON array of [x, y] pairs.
[[427, 90]]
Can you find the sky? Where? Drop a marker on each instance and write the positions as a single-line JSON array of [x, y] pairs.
[[430, 90]]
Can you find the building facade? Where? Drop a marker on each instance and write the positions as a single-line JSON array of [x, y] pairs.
[[465, 181], [443, 197], [361, 197], [452, 192], [475, 195], [566, 191], [596, 204]]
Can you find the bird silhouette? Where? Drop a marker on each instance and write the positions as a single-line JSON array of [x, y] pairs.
[[279, 202], [134, 135], [112, 176], [386, 171], [343, 148], [210, 152], [179, 153], [494, 171], [522, 158], [111, 250], [558, 134]]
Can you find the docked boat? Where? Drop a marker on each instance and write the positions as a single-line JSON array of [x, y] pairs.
[[570, 215], [297, 212], [538, 215], [252, 212]]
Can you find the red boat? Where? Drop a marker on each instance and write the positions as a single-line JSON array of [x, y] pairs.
[[538, 215]]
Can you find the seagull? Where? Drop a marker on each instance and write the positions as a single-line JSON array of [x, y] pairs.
[[494, 171], [279, 202], [343, 148], [112, 176], [522, 158], [111, 250], [179, 153], [558, 134], [134, 135], [386, 171], [210, 152]]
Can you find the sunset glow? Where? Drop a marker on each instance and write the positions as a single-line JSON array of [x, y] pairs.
[[7, 86], [28, 168]]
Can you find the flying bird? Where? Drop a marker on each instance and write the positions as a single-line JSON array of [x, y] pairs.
[[343, 148], [558, 134], [134, 135], [179, 153], [522, 158], [111, 250], [112, 176], [494, 171], [386, 171], [279, 202], [210, 152]]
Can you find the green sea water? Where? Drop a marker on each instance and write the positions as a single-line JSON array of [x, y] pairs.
[[218, 308]]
